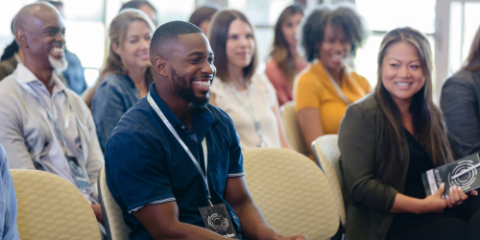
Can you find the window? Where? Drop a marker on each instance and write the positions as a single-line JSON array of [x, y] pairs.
[[464, 23], [421, 17]]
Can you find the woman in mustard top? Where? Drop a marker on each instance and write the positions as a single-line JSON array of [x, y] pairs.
[[324, 89]]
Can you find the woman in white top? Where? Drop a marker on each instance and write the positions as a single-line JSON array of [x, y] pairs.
[[248, 98]]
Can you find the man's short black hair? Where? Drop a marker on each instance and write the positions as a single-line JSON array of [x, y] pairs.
[[166, 33]]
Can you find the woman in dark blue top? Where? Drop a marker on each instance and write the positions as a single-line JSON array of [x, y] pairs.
[[126, 75]]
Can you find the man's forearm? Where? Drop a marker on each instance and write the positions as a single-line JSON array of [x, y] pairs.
[[254, 224], [186, 231]]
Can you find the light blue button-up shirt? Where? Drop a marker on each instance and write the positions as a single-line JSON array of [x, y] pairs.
[[8, 201]]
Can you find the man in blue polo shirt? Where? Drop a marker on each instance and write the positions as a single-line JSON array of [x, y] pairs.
[[173, 162]]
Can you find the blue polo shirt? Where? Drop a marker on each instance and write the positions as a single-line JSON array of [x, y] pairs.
[[145, 164]]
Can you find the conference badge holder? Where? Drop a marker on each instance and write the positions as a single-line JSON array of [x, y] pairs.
[[216, 218], [80, 177]]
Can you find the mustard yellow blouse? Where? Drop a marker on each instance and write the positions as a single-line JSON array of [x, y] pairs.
[[313, 89]]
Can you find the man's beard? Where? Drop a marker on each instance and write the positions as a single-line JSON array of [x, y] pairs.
[[184, 89], [59, 65]]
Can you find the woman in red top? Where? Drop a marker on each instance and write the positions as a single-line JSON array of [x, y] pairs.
[[285, 62]]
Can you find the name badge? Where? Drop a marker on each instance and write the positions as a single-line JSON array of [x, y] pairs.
[[80, 177], [217, 219]]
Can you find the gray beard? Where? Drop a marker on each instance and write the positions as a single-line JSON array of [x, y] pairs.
[[59, 65]]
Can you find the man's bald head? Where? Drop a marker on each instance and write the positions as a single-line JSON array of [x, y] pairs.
[[27, 14], [40, 33], [166, 34]]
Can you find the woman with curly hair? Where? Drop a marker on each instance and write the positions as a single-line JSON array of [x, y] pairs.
[[330, 36], [285, 60]]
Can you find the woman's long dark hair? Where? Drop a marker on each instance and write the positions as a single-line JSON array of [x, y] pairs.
[[280, 52], [11, 49], [427, 118], [473, 60], [218, 35]]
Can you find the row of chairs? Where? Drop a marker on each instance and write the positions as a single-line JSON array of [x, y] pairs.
[[294, 194]]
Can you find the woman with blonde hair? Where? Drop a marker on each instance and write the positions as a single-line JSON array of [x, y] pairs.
[[248, 98], [388, 139], [285, 61], [126, 76], [460, 103]]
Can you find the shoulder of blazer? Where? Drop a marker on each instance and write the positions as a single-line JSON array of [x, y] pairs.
[[367, 106]]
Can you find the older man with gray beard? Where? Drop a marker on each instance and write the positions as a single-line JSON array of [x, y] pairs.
[[44, 125]]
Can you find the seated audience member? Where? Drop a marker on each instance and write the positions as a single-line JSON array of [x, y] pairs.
[[285, 61], [460, 101], [8, 201], [388, 139], [202, 16], [324, 90], [44, 125], [142, 5], [248, 98], [174, 157], [11, 56], [126, 75], [73, 76]]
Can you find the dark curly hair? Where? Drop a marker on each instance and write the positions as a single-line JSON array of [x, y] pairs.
[[343, 15]]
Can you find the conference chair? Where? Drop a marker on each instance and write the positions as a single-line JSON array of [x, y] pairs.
[[292, 127], [327, 155], [49, 207], [292, 192], [112, 214]]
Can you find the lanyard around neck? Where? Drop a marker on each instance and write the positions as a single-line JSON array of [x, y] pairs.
[[337, 88], [58, 130], [250, 109], [175, 134]]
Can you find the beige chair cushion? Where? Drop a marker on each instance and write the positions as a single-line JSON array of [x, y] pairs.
[[326, 153], [294, 133], [49, 207], [292, 193], [112, 214]]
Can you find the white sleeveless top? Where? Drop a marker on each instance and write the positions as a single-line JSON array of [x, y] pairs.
[[264, 99]]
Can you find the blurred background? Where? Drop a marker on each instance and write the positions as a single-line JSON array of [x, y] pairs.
[[449, 24]]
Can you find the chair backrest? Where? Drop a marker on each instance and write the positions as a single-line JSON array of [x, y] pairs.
[[112, 213], [49, 207], [294, 133], [292, 193], [326, 153]]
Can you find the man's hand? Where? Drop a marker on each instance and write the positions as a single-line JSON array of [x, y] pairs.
[[296, 237], [97, 209]]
